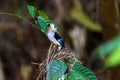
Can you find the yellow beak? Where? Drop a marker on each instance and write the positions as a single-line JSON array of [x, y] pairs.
[[49, 27]]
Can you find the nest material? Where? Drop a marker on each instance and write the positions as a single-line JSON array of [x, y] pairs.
[[64, 54]]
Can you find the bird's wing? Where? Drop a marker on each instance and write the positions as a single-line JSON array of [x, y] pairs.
[[57, 36]]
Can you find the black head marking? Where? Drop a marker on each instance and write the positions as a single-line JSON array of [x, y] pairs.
[[48, 25]]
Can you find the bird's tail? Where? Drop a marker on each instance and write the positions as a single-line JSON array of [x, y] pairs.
[[60, 47]]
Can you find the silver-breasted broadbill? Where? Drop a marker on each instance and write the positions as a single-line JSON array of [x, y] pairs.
[[47, 26]]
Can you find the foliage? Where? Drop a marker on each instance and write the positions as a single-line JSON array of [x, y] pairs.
[[110, 50], [41, 19], [80, 16], [60, 69], [32, 10], [80, 72], [68, 70], [55, 69], [114, 58]]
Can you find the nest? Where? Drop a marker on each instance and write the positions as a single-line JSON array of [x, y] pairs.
[[64, 54]]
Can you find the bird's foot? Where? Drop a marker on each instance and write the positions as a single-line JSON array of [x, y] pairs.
[[57, 47]]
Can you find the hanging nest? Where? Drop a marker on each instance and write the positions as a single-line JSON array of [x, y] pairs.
[[64, 54]]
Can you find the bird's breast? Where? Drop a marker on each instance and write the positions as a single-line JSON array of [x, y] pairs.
[[52, 38]]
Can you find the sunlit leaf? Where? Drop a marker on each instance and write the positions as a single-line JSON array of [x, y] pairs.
[[107, 48], [55, 69], [80, 16], [114, 58], [43, 14], [32, 10]]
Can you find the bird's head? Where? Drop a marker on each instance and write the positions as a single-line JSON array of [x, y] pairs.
[[51, 27]]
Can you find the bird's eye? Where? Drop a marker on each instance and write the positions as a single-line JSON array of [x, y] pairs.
[[48, 25]]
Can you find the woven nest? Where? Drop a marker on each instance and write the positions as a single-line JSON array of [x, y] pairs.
[[64, 54]]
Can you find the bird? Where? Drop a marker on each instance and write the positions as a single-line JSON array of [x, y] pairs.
[[47, 26], [54, 36]]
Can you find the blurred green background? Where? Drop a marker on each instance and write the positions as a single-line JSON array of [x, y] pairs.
[[91, 28]]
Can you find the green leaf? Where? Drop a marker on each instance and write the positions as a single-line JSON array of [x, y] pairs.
[[42, 14], [63, 77], [80, 16], [107, 48], [75, 76], [114, 58], [55, 69], [79, 72], [67, 79], [42, 23], [86, 73], [32, 10], [42, 20]]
